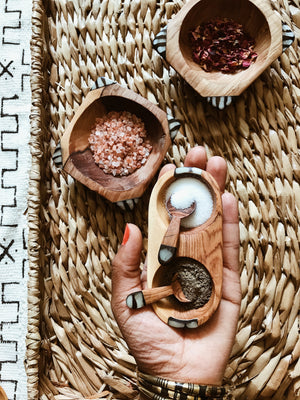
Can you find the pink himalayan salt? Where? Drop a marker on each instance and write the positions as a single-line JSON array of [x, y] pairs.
[[118, 143]]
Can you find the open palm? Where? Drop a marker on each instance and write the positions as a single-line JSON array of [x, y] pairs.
[[187, 355]]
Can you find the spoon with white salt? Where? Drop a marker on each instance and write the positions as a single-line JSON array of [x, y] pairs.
[[167, 250]]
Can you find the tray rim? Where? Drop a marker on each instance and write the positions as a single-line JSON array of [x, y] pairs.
[[37, 84]]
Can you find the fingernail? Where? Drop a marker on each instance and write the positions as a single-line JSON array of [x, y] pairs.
[[126, 235]]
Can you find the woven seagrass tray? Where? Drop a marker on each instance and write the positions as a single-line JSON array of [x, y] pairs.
[[74, 347]]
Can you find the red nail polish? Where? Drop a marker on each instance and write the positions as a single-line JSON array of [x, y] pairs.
[[126, 235]]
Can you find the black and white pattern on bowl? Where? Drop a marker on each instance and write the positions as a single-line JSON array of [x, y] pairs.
[[160, 42]]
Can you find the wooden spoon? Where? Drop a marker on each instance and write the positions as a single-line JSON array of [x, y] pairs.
[[167, 250], [148, 296]]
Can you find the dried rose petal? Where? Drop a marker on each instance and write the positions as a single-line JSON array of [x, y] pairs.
[[221, 44]]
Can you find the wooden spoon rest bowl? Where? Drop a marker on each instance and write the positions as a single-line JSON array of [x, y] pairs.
[[199, 247], [259, 20], [77, 157]]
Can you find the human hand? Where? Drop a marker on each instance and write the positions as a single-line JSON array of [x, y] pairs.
[[186, 355]]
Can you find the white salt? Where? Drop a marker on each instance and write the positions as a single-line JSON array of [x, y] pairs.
[[180, 201], [183, 192]]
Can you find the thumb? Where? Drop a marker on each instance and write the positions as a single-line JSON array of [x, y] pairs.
[[126, 273]]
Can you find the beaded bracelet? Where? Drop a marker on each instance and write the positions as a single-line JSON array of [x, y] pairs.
[[157, 388]]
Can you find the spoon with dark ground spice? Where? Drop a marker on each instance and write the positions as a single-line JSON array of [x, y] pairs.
[[148, 296]]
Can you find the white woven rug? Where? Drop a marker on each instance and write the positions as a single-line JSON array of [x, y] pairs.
[[15, 33]]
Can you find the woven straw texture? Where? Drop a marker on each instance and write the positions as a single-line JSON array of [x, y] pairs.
[[74, 347]]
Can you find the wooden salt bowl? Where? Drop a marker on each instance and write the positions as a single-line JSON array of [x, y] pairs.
[[202, 244], [77, 157], [258, 20]]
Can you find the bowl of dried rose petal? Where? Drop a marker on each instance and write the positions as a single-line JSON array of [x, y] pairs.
[[115, 142], [221, 46]]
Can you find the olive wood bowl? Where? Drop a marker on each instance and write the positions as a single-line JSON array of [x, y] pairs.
[[258, 20], [202, 244], [77, 158]]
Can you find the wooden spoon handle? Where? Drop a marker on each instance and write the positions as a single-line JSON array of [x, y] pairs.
[[167, 250], [148, 296]]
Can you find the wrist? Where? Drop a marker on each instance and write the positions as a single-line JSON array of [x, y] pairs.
[[200, 375]]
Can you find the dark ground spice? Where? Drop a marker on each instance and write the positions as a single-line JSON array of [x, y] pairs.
[[195, 281], [222, 45]]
